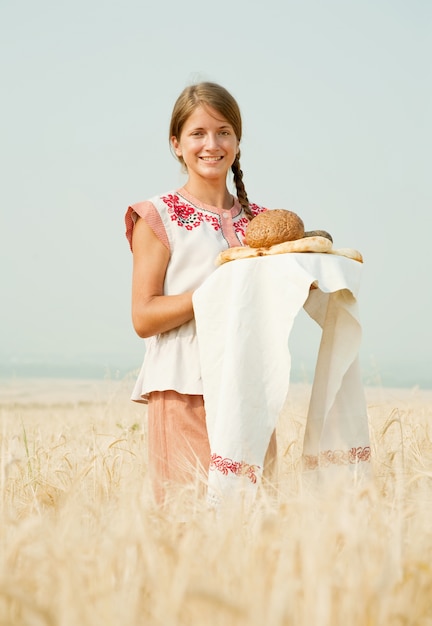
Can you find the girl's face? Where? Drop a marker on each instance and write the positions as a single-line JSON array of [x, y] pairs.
[[207, 144]]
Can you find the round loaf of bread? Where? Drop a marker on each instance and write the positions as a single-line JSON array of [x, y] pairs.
[[272, 227], [318, 233]]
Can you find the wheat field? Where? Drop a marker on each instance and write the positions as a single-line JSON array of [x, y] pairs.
[[82, 543]]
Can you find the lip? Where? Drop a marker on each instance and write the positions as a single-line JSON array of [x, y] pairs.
[[215, 159]]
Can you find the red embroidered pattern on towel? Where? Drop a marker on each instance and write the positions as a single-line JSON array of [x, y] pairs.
[[186, 215], [336, 457], [239, 468]]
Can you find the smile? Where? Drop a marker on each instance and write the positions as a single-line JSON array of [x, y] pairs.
[[211, 159]]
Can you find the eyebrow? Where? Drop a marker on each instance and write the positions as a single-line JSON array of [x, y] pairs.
[[219, 127]]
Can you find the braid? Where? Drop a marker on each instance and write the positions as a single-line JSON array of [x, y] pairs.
[[241, 191]]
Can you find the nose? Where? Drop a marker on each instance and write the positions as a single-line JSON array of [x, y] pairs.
[[211, 141]]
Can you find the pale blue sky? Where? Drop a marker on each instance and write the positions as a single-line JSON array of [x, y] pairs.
[[336, 101]]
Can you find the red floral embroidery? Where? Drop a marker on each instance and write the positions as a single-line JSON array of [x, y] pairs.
[[186, 215], [189, 217], [336, 457], [256, 209], [241, 225], [239, 468]]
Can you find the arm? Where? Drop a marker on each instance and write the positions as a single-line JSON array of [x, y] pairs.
[[152, 312]]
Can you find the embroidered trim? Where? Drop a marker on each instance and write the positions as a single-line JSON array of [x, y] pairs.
[[186, 215], [241, 225], [239, 468], [256, 209], [336, 457], [189, 217]]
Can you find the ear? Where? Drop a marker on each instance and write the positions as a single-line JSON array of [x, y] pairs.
[[176, 146]]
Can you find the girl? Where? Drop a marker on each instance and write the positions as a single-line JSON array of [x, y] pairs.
[[175, 239]]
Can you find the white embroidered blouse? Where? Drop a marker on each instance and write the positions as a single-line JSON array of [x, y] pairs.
[[194, 233]]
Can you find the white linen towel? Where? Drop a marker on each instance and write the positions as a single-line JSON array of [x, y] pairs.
[[244, 314]]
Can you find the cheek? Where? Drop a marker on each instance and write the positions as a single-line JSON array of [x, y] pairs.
[[189, 147], [234, 151]]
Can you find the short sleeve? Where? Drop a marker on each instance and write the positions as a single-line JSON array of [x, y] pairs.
[[147, 211]]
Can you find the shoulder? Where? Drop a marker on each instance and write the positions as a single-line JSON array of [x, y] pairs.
[[150, 212], [145, 210], [153, 203], [141, 208], [151, 208]]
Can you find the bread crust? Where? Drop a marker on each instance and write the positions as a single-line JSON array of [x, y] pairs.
[[272, 227], [306, 244], [349, 253], [318, 233], [279, 231]]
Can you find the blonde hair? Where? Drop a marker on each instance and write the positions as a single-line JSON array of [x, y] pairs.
[[217, 97]]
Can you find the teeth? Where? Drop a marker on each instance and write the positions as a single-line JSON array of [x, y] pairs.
[[211, 158]]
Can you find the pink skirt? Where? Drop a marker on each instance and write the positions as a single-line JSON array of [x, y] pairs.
[[178, 445]]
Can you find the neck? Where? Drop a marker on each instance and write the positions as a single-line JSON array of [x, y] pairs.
[[216, 195]]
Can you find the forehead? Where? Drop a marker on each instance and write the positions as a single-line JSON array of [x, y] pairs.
[[204, 116]]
